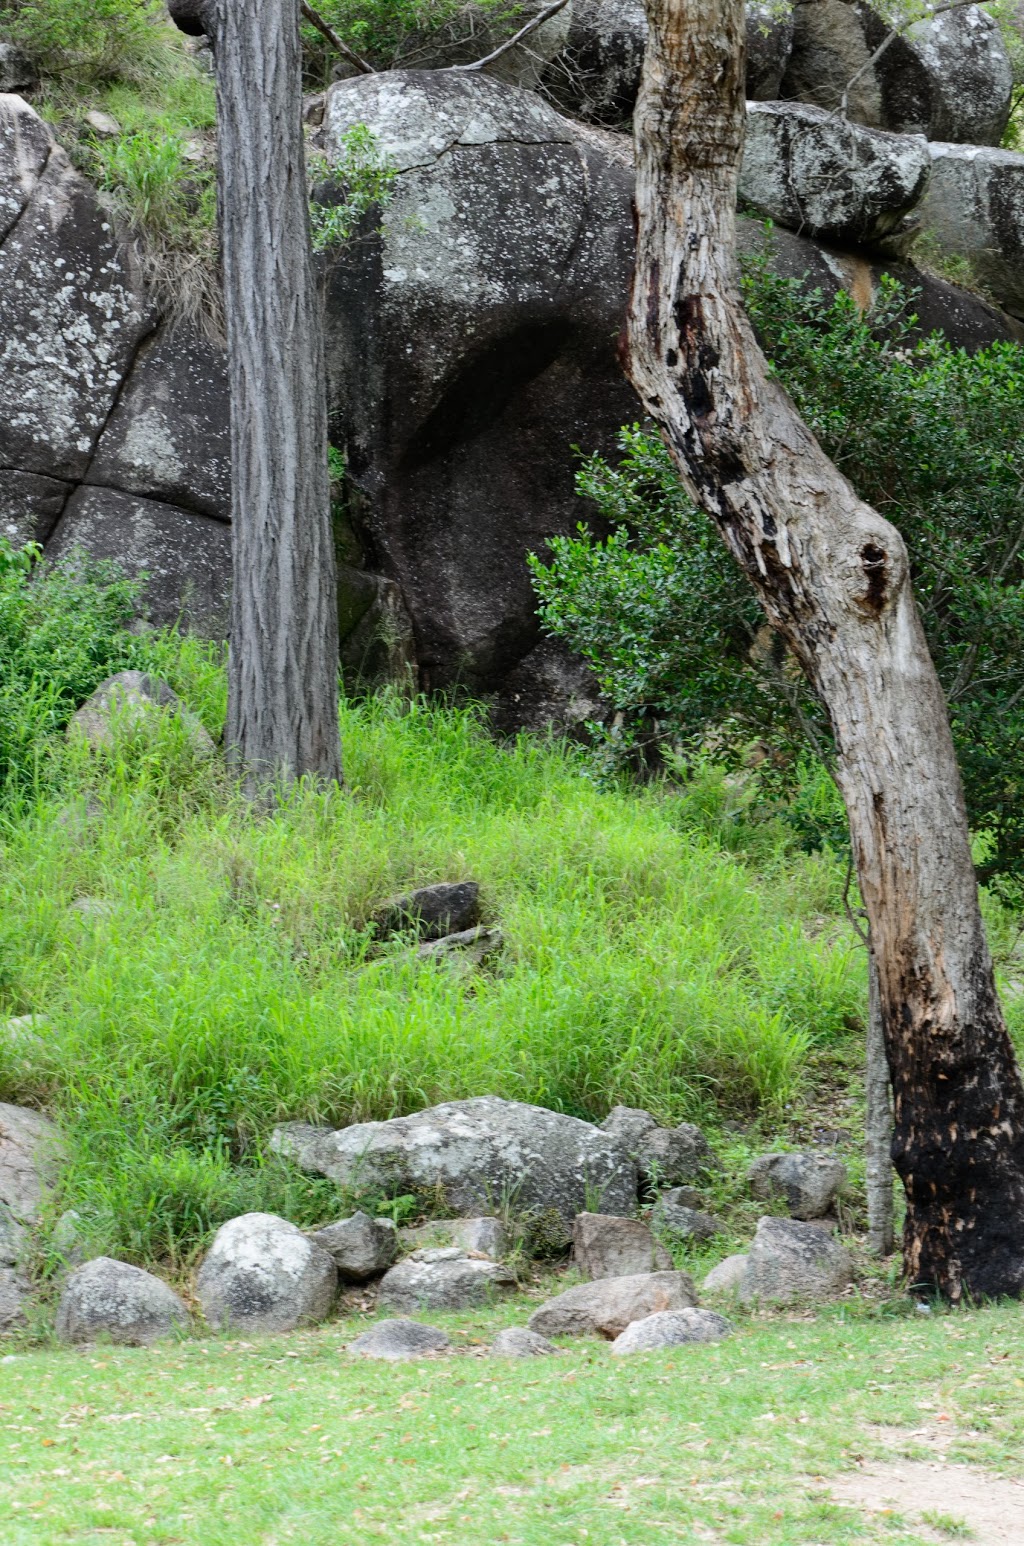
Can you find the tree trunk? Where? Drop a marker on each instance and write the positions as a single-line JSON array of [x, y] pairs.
[[833, 577], [878, 1126], [283, 671]]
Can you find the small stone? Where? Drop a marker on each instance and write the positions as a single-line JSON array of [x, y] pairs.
[[671, 1328], [521, 1342], [607, 1307], [362, 1247], [792, 1262], [809, 1183], [102, 124], [129, 699], [605, 1246], [668, 1219], [398, 1339], [728, 1277], [432, 912], [112, 1299], [468, 948], [483, 1235], [444, 1280], [263, 1274]]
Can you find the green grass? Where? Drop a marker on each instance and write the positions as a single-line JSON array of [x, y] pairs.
[[226, 980], [223, 1441]]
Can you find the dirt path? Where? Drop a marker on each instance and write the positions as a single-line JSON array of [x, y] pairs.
[[935, 1494]]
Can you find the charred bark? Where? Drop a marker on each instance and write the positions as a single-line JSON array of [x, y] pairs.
[[283, 670], [833, 578]]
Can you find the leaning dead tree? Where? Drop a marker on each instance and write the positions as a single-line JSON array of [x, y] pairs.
[[283, 668], [833, 578]]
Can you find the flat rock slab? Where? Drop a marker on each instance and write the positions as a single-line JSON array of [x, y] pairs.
[[262, 1274], [121, 1303], [400, 1339], [362, 1247], [608, 1247], [444, 1280], [792, 1263], [479, 1152], [606, 1308], [671, 1328], [809, 1183], [521, 1342]]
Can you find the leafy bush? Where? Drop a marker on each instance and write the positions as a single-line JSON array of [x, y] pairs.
[[359, 180], [88, 40], [934, 438], [389, 32]]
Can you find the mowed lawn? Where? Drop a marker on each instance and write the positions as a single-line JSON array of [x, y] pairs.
[[291, 1438]]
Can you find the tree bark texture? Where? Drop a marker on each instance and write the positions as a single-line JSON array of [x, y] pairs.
[[283, 671], [878, 1126], [833, 577]]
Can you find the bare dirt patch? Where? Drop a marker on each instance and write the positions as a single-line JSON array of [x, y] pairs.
[[940, 1496]]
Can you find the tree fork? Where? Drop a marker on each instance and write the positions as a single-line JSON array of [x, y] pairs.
[[283, 662], [833, 577]]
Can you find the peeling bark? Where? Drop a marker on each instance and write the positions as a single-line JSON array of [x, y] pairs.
[[833, 578], [283, 671]]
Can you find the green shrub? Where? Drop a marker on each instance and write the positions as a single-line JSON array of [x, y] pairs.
[[358, 180], [384, 32], [88, 40], [934, 438]]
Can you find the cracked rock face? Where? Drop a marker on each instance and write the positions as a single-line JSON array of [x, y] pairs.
[[480, 1152], [468, 345], [974, 207], [837, 181]]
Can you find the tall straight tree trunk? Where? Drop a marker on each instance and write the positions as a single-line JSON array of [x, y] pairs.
[[878, 1126], [833, 578], [283, 672]]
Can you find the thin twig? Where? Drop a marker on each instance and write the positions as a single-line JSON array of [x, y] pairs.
[[846, 901], [327, 31], [949, 5], [521, 35]]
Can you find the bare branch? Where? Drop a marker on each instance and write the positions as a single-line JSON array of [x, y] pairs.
[[523, 33], [326, 30], [939, 10]]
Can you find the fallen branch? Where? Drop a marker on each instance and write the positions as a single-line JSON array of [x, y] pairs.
[[523, 33], [326, 30]]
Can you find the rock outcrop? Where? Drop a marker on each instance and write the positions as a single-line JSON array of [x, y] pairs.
[[973, 208], [130, 700], [479, 1152]]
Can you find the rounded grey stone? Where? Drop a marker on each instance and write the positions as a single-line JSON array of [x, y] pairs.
[[111, 1299], [728, 1277], [263, 1274], [671, 1328], [809, 1182], [521, 1342], [362, 1247], [398, 1339]]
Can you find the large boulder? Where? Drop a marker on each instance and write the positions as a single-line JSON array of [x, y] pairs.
[[443, 1278], [111, 1299], [262, 1274], [478, 1152], [72, 309], [470, 344], [808, 1183], [607, 1307], [974, 209], [596, 74], [948, 77], [604, 1246], [17, 72], [792, 1263], [809, 170]]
